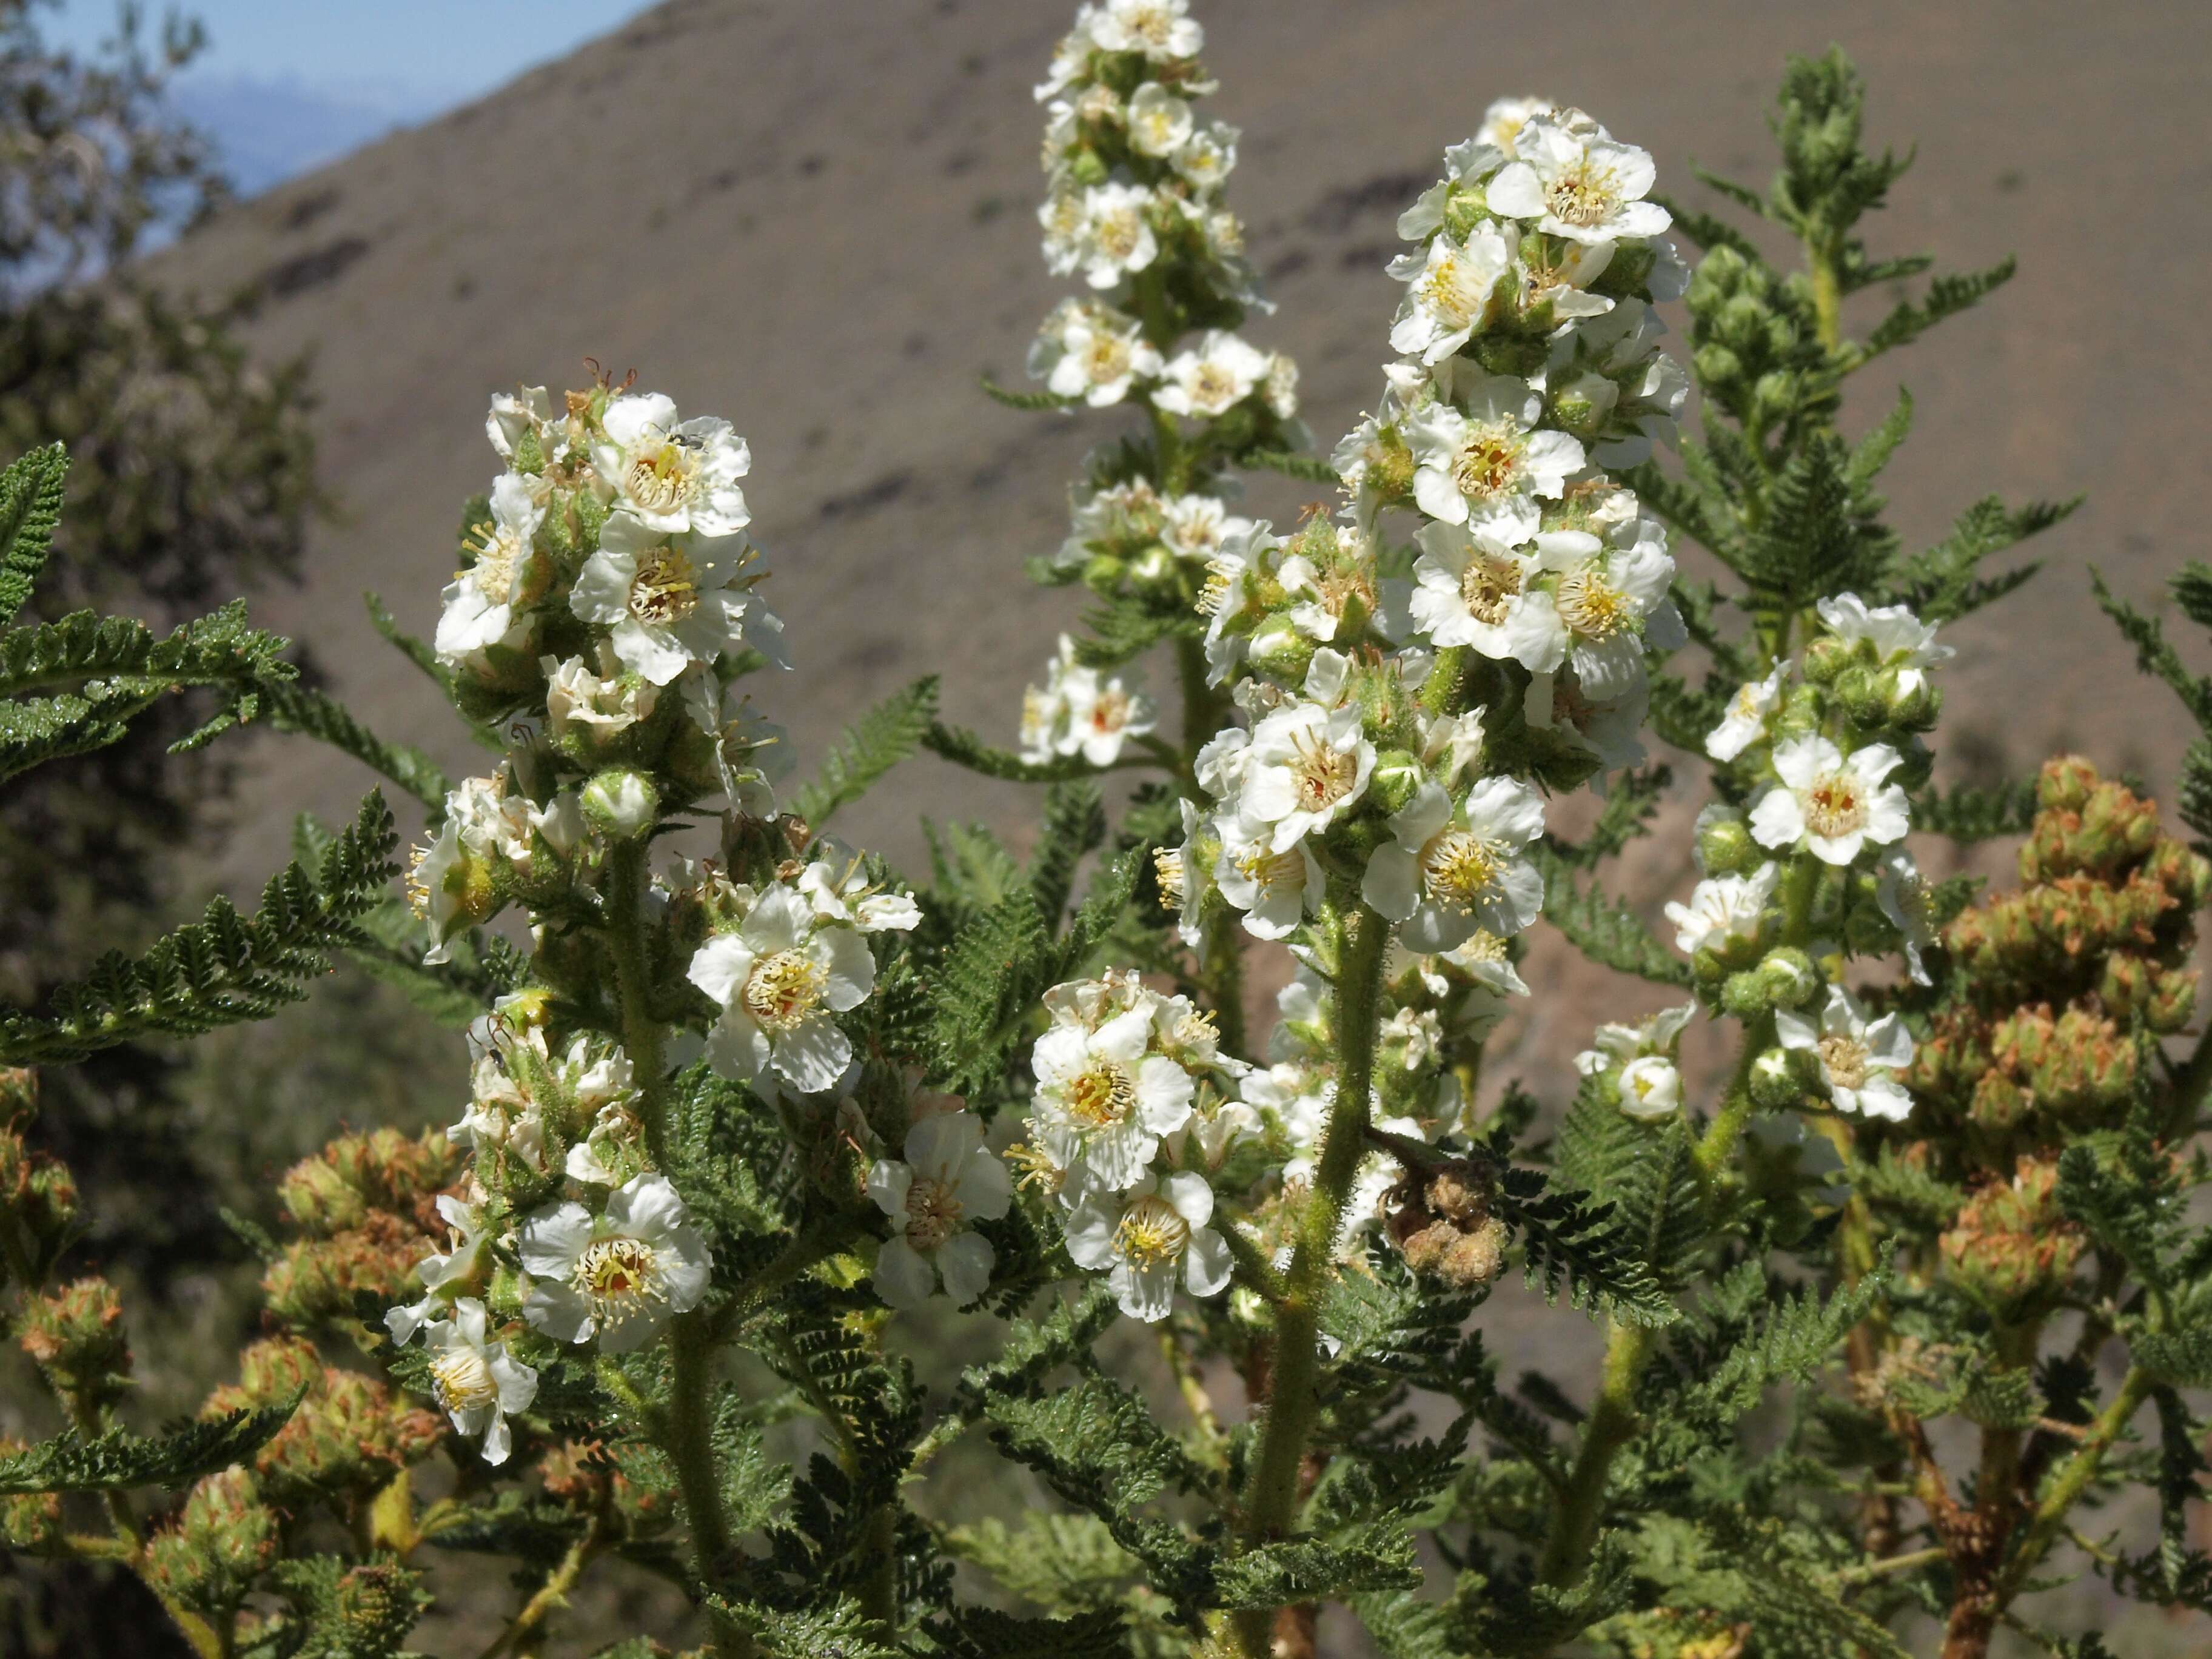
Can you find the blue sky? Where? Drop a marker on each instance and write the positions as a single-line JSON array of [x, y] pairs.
[[286, 84]]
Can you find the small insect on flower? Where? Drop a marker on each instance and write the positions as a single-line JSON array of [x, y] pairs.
[[672, 475]]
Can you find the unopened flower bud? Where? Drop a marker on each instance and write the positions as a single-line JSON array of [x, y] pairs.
[[1910, 701], [1774, 1084], [622, 804], [1475, 1258], [1787, 979], [1281, 653], [1825, 658], [18, 1092], [1398, 774], [32, 1524], [76, 1334], [1651, 1088], [1724, 843], [207, 1559]]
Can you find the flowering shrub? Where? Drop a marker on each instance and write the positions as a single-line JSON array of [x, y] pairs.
[[749, 1090]]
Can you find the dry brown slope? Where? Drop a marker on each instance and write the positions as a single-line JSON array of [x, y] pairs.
[[815, 218]]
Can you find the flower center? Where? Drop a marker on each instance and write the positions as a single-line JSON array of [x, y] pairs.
[[1220, 576], [1108, 358], [1111, 712], [1834, 806], [497, 550], [1102, 1096], [665, 588], [1213, 388], [1150, 24], [1489, 587], [1489, 463], [932, 1214], [1592, 607], [464, 1380], [1482, 946], [615, 1275], [1323, 776], [1117, 232], [1584, 195], [1845, 1059], [1447, 291], [1459, 866], [784, 988], [1167, 868], [662, 475], [1272, 869], [1151, 1235]]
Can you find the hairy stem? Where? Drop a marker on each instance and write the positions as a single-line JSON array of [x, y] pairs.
[[1612, 1424], [1272, 1497], [691, 1372]]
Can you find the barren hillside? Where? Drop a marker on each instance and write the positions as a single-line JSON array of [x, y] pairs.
[[814, 216]]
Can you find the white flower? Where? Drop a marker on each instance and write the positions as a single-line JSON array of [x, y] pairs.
[[1902, 892], [1103, 715], [1609, 728], [1722, 909], [439, 1269], [1650, 1087], [1102, 1102], [1502, 123], [1619, 1046], [1208, 156], [1748, 711], [778, 979], [1452, 870], [1116, 235], [1901, 639], [1471, 160], [949, 1178], [1276, 891], [674, 475], [1486, 467], [750, 752], [1141, 1238], [619, 1275], [1307, 765], [1613, 603], [592, 707], [1482, 956], [1095, 354], [1578, 182], [850, 900], [1062, 215], [1159, 122], [1195, 526], [1160, 29], [477, 1381], [1832, 803], [1452, 284], [1476, 589], [1859, 1061], [1211, 377], [524, 412], [482, 602], [668, 603]]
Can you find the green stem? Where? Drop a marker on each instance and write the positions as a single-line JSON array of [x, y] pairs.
[[691, 1379], [2072, 1480], [1272, 1497], [1612, 1424]]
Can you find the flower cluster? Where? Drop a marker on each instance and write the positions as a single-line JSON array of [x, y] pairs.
[[1132, 1109], [604, 619], [1136, 177]]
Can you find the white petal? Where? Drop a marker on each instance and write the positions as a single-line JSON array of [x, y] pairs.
[[965, 1260], [903, 1278]]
